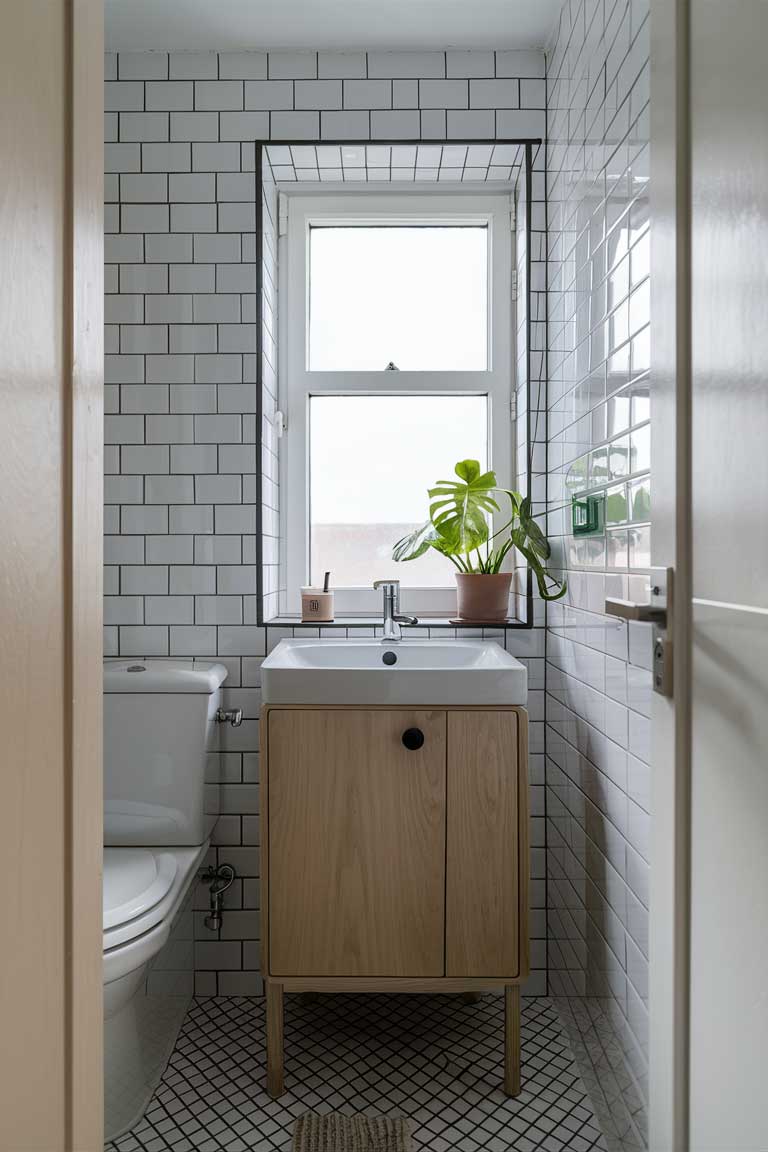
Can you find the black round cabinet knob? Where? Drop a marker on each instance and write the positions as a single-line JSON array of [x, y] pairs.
[[413, 738]]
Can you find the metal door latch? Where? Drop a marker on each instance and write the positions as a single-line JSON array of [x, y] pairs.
[[662, 666], [658, 612]]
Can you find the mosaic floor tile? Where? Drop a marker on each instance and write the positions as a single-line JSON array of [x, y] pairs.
[[435, 1059]]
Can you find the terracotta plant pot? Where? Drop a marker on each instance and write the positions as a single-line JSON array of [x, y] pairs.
[[483, 599]]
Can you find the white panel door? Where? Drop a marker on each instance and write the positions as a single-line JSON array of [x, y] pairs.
[[709, 898], [729, 714]]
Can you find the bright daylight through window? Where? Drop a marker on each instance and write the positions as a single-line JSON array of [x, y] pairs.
[[413, 296], [372, 459]]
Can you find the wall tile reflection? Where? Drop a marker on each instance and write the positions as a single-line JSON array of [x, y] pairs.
[[597, 677]]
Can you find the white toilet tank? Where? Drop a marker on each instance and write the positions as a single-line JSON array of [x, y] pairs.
[[161, 751]]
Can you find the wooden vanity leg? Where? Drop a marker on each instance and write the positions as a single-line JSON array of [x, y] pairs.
[[274, 1010], [512, 1039]]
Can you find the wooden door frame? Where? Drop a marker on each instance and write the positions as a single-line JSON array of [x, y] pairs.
[[86, 1086], [51, 465], [671, 547]]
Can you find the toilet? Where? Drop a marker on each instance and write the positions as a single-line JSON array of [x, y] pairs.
[[161, 801]]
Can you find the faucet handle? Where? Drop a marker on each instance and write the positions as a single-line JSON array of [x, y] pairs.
[[391, 589]]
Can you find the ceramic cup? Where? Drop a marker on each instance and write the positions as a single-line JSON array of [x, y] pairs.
[[316, 605]]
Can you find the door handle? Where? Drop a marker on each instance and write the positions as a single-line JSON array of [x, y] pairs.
[[658, 613], [630, 610]]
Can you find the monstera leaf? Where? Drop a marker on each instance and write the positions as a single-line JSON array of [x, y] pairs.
[[460, 509], [417, 543], [420, 541], [550, 588], [535, 537], [460, 518], [459, 512]]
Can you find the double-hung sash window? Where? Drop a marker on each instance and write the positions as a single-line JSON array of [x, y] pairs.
[[396, 320]]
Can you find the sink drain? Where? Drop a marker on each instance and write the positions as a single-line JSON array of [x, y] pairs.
[[389, 658]]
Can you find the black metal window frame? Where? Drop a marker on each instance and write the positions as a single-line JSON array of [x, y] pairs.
[[529, 144]]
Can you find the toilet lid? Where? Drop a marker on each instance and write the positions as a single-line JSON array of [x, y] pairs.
[[135, 880]]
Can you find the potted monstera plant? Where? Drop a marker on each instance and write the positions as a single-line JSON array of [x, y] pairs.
[[460, 527]]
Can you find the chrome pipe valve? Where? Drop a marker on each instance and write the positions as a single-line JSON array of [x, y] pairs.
[[233, 716]]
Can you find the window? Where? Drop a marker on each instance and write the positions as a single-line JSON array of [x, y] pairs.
[[396, 323], [371, 461], [413, 296]]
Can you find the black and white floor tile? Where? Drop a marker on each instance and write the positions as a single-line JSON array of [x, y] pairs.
[[436, 1059]]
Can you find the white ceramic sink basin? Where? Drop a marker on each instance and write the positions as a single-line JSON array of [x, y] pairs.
[[432, 672]]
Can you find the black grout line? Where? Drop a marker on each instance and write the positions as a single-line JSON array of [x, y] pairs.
[[215, 1055], [218, 68]]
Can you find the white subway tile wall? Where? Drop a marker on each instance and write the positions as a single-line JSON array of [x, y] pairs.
[[181, 374], [598, 680], [406, 163]]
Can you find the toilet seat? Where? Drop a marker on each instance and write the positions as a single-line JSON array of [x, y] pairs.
[[141, 889], [135, 880]]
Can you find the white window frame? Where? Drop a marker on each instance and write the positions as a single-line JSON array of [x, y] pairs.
[[298, 212]]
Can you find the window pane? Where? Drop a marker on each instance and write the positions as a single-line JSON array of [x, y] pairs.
[[372, 459], [413, 296]]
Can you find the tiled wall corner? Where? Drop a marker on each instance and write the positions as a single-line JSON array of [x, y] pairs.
[[598, 680], [530, 361]]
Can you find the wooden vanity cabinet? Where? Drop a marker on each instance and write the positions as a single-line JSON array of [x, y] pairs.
[[394, 856]]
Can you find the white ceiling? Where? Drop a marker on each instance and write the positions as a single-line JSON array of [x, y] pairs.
[[372, 24]]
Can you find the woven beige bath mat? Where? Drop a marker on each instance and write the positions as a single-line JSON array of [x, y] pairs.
[[336, 1133]]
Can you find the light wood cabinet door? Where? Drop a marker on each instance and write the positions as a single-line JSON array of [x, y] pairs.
[[356, 843], [483, 872]]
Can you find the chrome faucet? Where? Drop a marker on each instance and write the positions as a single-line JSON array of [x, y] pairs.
[[392, 616]]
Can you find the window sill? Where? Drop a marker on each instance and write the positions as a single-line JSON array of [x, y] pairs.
[[369, 622]]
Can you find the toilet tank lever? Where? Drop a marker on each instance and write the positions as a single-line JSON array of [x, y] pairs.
[[233, 716]]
